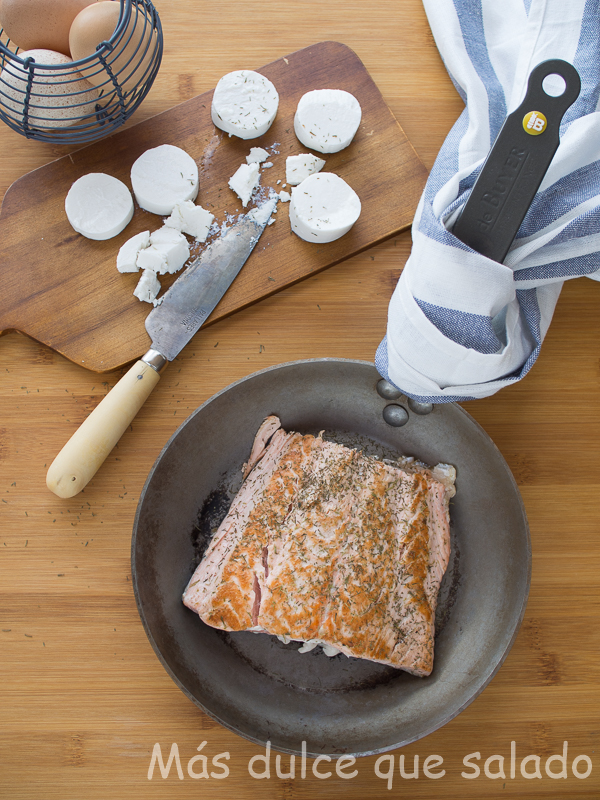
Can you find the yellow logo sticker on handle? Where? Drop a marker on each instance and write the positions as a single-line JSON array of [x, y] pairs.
[[534, 123]]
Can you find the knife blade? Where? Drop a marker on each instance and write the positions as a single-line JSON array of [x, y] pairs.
[[171, 324]]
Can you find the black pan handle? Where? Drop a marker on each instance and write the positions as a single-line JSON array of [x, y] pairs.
[[516, 164]]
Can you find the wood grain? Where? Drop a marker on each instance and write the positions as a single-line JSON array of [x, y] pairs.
[[83, 698], [64, 290]]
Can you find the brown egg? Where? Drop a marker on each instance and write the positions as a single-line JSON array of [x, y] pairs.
[[34, 24], [132, 52]]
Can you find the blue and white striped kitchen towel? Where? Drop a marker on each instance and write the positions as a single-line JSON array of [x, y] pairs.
[[461, 326]]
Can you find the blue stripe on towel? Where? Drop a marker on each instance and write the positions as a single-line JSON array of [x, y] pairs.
[[470, 18], [569, 268], [586, 63], [469, 330], [566, 194]]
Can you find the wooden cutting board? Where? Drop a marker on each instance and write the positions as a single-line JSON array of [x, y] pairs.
[[64, 290]]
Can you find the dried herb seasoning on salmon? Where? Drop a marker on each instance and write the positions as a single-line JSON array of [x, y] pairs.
[[325, 545]]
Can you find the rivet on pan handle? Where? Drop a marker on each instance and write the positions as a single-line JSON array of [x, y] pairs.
[[516, 164]]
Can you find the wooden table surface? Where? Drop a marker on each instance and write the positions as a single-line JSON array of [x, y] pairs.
[[83, 697]]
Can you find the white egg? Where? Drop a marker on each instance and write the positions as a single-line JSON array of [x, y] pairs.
[[58, 97]]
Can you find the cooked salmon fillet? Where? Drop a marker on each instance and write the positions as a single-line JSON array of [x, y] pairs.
[[323, 543]]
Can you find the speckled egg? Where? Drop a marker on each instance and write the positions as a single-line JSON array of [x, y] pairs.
[[58, 98], [40, 24]]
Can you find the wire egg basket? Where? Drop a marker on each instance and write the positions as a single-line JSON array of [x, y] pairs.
[[70, 102]]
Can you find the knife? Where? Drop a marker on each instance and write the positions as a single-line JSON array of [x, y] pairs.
[[170, 325]]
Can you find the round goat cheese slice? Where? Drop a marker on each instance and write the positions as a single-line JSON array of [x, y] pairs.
[[327, 119], [323, 208], [162, 177], [244, 104], [99, 206]]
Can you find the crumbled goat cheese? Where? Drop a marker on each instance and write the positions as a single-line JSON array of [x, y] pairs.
[[244, 181], [191, 219], [173, 246], [297, 168], [257, 155], [148, 286], [151, 259], [127, 255]]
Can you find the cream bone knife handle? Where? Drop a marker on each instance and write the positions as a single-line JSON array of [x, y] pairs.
[[87, 449]]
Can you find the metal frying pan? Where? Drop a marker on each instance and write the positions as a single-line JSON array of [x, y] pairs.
[[265, 690]]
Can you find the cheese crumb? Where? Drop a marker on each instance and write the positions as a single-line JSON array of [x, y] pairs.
[[148, 287], [191, 219], [150, 259], [167, 253], [257, 155], [297, 168], [245, 181], [127, 255], [173, 246]]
